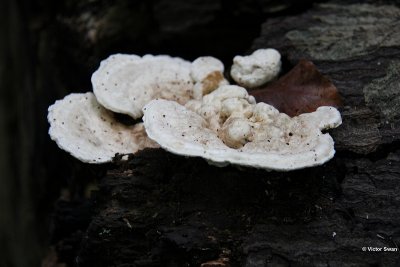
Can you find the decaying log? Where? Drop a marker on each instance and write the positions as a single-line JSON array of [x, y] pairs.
[[159, 209]]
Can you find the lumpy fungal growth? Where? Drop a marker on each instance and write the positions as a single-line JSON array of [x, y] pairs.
[[208, 75], [236, 132], [256, 69], [256, 135]]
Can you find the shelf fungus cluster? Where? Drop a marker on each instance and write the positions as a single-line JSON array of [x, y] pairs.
[[84, 125], [190, 109], [228, 127]]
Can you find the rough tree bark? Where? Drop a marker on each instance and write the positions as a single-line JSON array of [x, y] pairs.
[[159, 209]]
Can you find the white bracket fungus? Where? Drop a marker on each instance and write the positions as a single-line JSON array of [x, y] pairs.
[[83, 128], [233, 129], [208, 75], [256, 69], [125, 83]]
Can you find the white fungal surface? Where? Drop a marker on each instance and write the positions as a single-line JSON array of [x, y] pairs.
[[208, 74], [227, 100], [256, 69], [125, 83], [227, 127], [83, 128]]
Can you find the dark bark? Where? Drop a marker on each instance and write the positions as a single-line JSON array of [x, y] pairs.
[[165, 210], [357, 47]]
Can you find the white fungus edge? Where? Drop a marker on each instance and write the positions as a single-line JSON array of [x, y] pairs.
[[222, 157]]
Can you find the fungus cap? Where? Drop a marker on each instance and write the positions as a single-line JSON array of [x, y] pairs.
[[125, 83], [83, 128], [261, 137], [256, 69], [208, 74]]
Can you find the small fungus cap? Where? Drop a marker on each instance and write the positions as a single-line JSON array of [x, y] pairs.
[[125, 83], [83, 128], [256, 69], [208, 74], [254, 135]]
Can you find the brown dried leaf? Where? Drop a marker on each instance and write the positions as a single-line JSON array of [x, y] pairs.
[[303, 89]]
